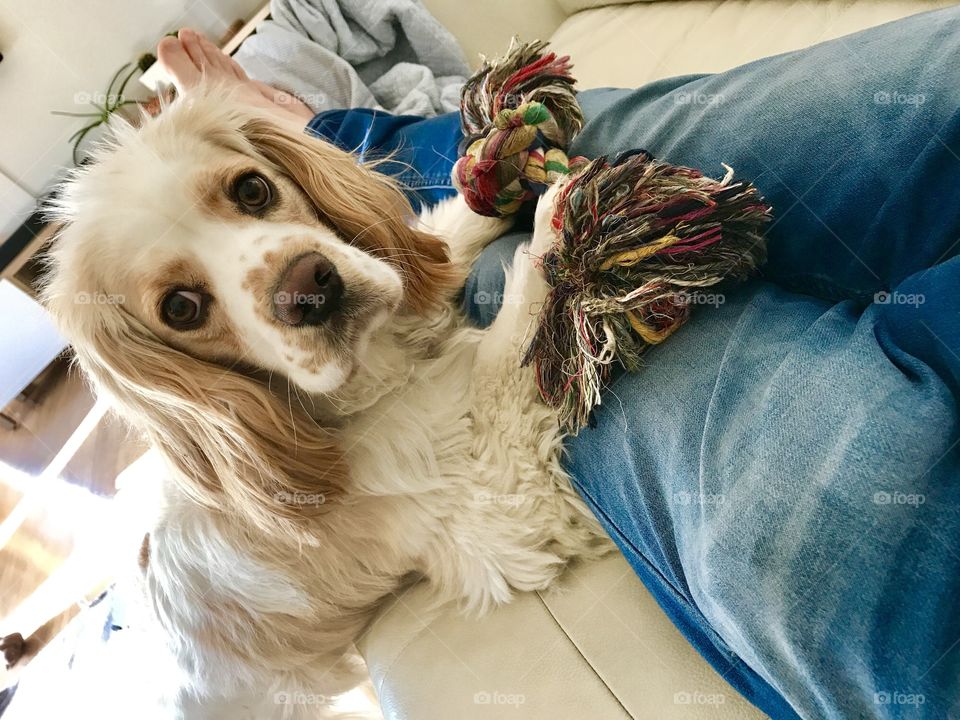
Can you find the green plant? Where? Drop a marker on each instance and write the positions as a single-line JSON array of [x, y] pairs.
[[111, 101]]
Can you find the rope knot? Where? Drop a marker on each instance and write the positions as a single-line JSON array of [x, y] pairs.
[[518, 114]]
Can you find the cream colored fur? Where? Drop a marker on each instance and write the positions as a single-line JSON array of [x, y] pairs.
[[451, 462]]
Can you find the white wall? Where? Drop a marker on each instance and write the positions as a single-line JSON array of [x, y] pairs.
[[16, 205], [55, 49]]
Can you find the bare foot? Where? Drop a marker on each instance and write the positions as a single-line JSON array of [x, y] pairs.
[[190, 58]]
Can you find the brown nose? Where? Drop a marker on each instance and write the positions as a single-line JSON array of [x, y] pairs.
[[310, 291]]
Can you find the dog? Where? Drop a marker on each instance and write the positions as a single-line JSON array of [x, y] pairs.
[[270, 314]]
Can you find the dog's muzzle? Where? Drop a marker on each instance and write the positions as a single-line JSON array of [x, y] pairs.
[[309, 292]]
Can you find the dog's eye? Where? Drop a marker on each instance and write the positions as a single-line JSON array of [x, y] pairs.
[[253, 192], [183, 309]]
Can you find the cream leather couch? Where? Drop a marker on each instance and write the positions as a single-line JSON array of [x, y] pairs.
[[598, 647]]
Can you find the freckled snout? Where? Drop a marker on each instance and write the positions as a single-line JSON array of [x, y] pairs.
[[309, 292]]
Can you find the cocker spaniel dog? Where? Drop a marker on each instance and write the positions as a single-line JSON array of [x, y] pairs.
[[271, 315]]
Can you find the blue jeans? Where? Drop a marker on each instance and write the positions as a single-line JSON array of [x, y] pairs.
[[417, 152], [783, 473]]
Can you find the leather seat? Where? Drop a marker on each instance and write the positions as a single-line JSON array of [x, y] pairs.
[[595, 646]]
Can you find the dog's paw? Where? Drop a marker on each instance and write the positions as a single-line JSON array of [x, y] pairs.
[[544, 236], [13, 648]]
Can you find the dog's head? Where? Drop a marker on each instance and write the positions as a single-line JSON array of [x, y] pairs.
[[216, 248]]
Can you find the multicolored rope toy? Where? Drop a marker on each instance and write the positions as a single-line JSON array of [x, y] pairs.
[[518, 115], [639, 239]]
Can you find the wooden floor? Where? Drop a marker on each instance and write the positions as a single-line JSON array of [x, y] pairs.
[[55, 519]]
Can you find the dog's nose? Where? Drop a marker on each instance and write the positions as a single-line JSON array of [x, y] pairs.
[[310, 291]]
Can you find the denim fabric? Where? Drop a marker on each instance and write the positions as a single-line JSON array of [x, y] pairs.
[[783, 473], [419, 153]]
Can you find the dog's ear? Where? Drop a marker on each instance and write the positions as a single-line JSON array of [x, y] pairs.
[[365, 207], [238, 448]]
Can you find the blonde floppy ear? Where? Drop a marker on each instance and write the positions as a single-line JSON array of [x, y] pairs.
[[237, 447], [365, 207]]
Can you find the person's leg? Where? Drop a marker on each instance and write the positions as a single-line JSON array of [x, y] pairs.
[[783, 472], [483, 291], [855, 142]]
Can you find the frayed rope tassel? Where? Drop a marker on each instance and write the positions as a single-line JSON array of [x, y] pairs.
[[637, 239]]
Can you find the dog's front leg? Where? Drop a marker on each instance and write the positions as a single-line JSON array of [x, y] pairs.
[[525, 290], [514, 536]]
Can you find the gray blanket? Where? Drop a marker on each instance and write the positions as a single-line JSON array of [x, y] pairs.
[[386, 54]]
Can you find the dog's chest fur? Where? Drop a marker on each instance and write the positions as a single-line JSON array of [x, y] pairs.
[[463, 452]]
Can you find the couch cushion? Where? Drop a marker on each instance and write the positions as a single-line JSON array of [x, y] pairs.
[[629, 45], [596, 646]]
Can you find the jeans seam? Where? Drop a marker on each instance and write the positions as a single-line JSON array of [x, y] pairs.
[[419, 181]]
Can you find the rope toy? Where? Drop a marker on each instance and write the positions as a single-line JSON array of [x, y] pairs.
[[518, 115], [639, 239]]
